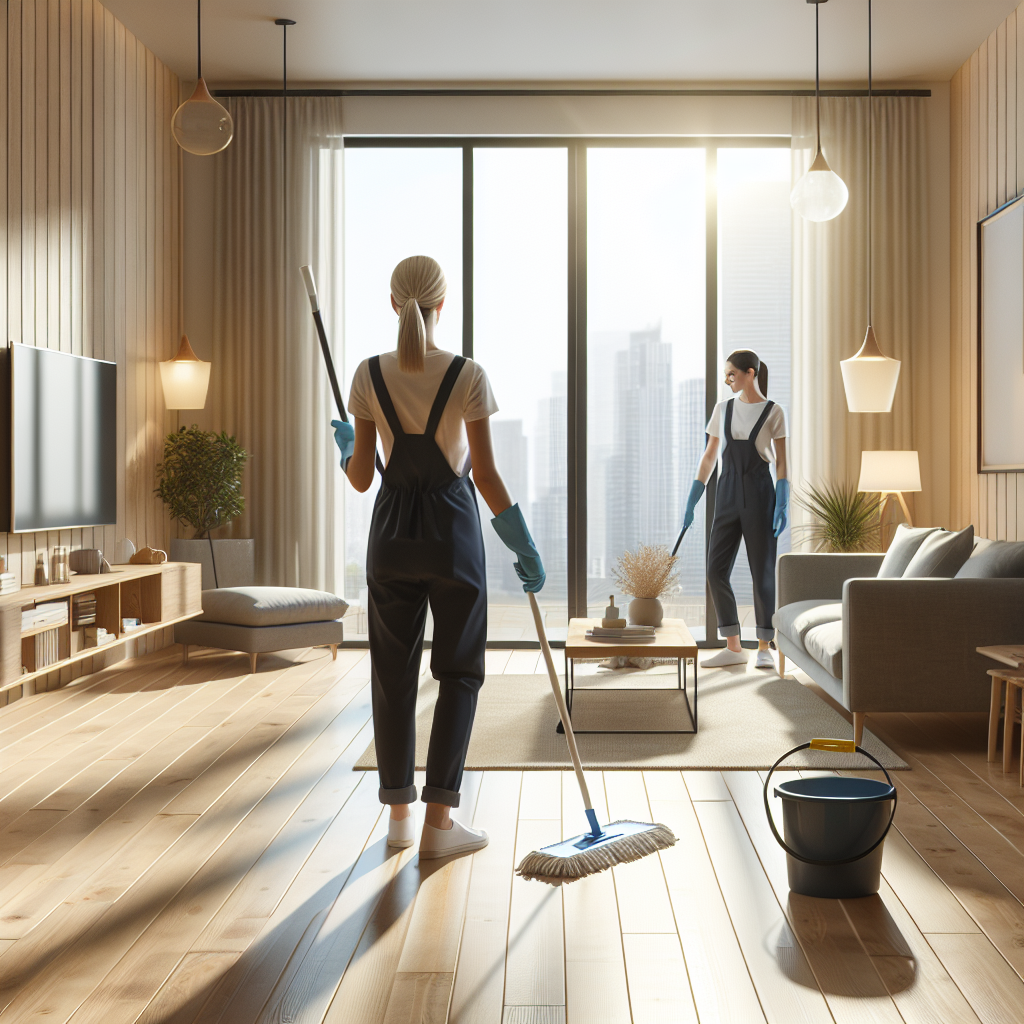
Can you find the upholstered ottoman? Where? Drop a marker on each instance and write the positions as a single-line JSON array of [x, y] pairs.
[[259, 620]]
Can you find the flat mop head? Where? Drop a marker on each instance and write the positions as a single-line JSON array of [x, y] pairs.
[[572, 859]]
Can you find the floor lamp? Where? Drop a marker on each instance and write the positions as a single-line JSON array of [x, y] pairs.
[[890, 473]]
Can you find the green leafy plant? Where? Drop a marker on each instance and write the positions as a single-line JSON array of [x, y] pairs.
[[201, 478], [844, 519]]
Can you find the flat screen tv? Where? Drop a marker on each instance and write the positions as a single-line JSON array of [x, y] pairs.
[[63, 440]]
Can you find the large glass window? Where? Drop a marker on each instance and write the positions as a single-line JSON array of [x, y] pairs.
[[645, 361], [519, 337], [596, 248], [754, 244], [398, 203]]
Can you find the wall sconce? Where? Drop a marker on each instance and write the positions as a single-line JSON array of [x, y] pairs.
[[185, 378]]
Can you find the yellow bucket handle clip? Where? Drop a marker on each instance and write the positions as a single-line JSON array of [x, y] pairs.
[[840, 746]]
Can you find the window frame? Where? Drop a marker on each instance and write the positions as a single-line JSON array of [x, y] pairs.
[[576, 326]]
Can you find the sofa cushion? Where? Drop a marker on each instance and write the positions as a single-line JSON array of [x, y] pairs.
[[905, 543], [995, 560], [941, 554], [270, 606], [824, 644], [797, 618]]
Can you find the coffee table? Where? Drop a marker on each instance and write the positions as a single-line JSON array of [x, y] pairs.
[[672, 641]]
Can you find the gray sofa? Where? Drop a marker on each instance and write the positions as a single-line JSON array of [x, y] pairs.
[[892, 644]]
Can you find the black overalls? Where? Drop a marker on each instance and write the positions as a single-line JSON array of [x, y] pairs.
[[425, 545], [744, 506]]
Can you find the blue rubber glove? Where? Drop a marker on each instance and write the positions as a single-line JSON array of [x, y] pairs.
[[781, 507], [511, 528], [696, 490], [345, 438]]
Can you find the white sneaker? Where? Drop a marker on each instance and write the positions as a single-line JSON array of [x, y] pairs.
[[764, 659], [440, 842], [401, 833], [725, 657]]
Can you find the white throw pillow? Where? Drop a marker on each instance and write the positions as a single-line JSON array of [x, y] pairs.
[[902, 549], [941, 554]]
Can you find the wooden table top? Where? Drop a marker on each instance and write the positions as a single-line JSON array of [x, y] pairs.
[[672, 640], [1008, 654]]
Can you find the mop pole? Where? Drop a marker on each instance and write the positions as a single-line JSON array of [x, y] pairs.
[[563, 714], [314, 301], [679, 540]]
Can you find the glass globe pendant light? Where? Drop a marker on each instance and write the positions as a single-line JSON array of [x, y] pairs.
[[201, 125], [870, 377], [820, 194]]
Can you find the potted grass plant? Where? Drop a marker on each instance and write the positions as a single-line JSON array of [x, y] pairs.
[[842, 518], [200, 482], [645, 575]]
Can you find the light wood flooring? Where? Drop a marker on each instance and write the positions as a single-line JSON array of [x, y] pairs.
[[190, 844]]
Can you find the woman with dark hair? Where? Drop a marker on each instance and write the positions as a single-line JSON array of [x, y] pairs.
[[752, 432]]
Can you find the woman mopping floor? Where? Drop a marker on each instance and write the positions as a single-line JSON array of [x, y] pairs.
[[431, 408], [748, 505]]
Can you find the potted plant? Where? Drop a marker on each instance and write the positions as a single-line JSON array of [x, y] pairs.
[[645, 574], [842, 518], [200, 482]]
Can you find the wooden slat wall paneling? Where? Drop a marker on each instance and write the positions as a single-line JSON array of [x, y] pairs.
[[90, 204], [987, 170]]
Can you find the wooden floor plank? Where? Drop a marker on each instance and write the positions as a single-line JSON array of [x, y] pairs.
[[919, 985], [304, 795], [785, 985], [64, 858], [99, 944], [994, 990], [526, 663], [659, 989], [495, 662], [180, 999], [596, 991], [719, 980], [844, 972], [706, 786], [479, 988], [535, 963]]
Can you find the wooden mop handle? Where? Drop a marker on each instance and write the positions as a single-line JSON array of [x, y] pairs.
[[563, 711]]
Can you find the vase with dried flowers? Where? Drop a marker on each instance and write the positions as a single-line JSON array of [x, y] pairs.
[[645, 575]]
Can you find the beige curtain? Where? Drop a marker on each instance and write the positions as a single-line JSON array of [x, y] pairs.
[[830, 296], [270, 389]]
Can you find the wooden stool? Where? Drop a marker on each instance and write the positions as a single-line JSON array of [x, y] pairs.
[[1013, 680]]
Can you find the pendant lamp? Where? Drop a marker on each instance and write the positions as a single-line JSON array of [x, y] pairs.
[[870, 377], [201, 125], [820, 194], [185, 378]]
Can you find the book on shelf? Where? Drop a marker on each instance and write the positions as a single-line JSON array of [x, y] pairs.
[[633, 638], [47, 648], [9, 583], [50, 613], [84, 610], [97, 636], [622, 631]]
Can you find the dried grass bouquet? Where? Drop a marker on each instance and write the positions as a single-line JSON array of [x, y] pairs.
[[647, 572]]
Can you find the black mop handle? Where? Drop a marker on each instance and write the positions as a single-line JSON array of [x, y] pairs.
[[314, 301], [679, 539]]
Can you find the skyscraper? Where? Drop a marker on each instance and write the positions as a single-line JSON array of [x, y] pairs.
[[551, 489]]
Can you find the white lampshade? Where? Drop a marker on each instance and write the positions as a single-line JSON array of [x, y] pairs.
[[201, 125], [870, 377], [889, 471], [820, 194], [185, 378]]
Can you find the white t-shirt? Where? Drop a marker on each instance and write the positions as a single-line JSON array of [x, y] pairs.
[[744, 418], [413, 394]]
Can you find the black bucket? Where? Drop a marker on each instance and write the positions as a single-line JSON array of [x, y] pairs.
[[834, 827]]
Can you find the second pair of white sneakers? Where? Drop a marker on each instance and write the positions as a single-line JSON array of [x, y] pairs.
[[436, 842], [763, 659]]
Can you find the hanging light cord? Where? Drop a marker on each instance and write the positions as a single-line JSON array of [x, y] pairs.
[[199, 39], [871, 168], [817, 73]]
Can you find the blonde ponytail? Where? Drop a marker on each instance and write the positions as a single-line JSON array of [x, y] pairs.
[[418, 287]]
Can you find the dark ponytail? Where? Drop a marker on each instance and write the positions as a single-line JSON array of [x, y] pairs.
[[743, 359]]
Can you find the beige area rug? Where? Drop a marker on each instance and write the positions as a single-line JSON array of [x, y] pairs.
[[747, 719]]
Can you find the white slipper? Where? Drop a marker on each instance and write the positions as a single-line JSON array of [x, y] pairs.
[[764, 659], [440, 842], [725, 657], [401, 833]]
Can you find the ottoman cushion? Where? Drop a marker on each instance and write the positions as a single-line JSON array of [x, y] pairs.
[[270, 606]]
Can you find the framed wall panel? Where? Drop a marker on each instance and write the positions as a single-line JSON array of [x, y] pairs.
[[1001, 339]]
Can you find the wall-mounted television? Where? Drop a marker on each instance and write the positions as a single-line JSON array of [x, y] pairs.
[[63, 440]]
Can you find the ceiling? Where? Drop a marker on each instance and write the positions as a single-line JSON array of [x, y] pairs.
[[455, 41]]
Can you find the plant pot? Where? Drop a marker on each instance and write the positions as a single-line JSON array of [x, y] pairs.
[[235, 559], [645, 611]]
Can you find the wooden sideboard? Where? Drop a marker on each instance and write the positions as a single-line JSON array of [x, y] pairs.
[[159, 595]]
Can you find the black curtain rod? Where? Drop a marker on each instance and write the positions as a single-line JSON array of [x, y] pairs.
[[569, 92]]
